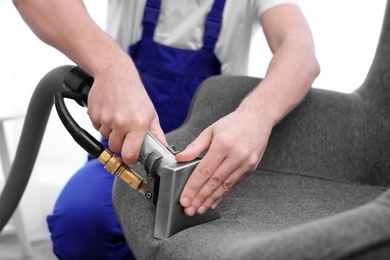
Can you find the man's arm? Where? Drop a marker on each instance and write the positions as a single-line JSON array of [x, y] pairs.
[[117, 93], [236, 143]]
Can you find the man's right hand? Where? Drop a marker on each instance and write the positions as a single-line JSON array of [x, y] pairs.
[[122, 111], [119, 106]]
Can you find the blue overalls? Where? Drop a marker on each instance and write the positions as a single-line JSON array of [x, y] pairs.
[[170, 75], [83, 224]]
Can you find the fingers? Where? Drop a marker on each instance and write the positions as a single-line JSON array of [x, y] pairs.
[[116, 138], [198, 146], [129, 143], [157, 131], [208, 186], [120, 108], [104, 131], [226, 163], [127, 138], [215, 188], [202, 174], [133, 141], [218, 196], [132, 145]]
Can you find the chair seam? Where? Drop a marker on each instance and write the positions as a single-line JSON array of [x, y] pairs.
[[323, 178]]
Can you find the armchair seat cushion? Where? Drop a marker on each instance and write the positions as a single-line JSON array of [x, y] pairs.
[[321, 190], [261, 209]]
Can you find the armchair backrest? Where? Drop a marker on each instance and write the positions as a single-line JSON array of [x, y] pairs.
[[343, 137]]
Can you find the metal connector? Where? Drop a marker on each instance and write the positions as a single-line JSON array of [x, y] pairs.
[[115, 165]]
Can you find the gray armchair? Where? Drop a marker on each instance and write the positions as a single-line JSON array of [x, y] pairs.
[[320, 192]]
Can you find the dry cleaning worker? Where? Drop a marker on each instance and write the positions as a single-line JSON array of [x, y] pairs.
[[146, 68]]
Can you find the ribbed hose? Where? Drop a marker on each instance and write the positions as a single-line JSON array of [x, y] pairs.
[[30, 141]]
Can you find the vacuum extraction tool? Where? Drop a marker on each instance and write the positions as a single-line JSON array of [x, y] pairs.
[[165, 177]]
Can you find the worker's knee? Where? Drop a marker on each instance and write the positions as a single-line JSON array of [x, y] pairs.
[[83, 224], [86, 236]]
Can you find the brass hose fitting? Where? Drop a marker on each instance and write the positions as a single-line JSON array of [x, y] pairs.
[[115, 165]]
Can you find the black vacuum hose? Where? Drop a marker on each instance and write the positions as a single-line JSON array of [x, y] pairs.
[[60, 83], [30, 141]]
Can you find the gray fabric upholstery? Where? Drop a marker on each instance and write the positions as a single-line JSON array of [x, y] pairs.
[[319, 192]]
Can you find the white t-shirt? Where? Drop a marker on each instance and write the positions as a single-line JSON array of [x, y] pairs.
[[181, 24]]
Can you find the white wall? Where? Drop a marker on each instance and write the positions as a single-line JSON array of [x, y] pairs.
[[24, 60], [345, 33]]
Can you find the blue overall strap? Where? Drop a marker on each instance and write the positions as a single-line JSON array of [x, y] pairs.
[[149, 22], [213, 25]]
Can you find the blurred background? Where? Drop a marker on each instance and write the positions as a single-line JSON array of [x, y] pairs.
[[345, 34]]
